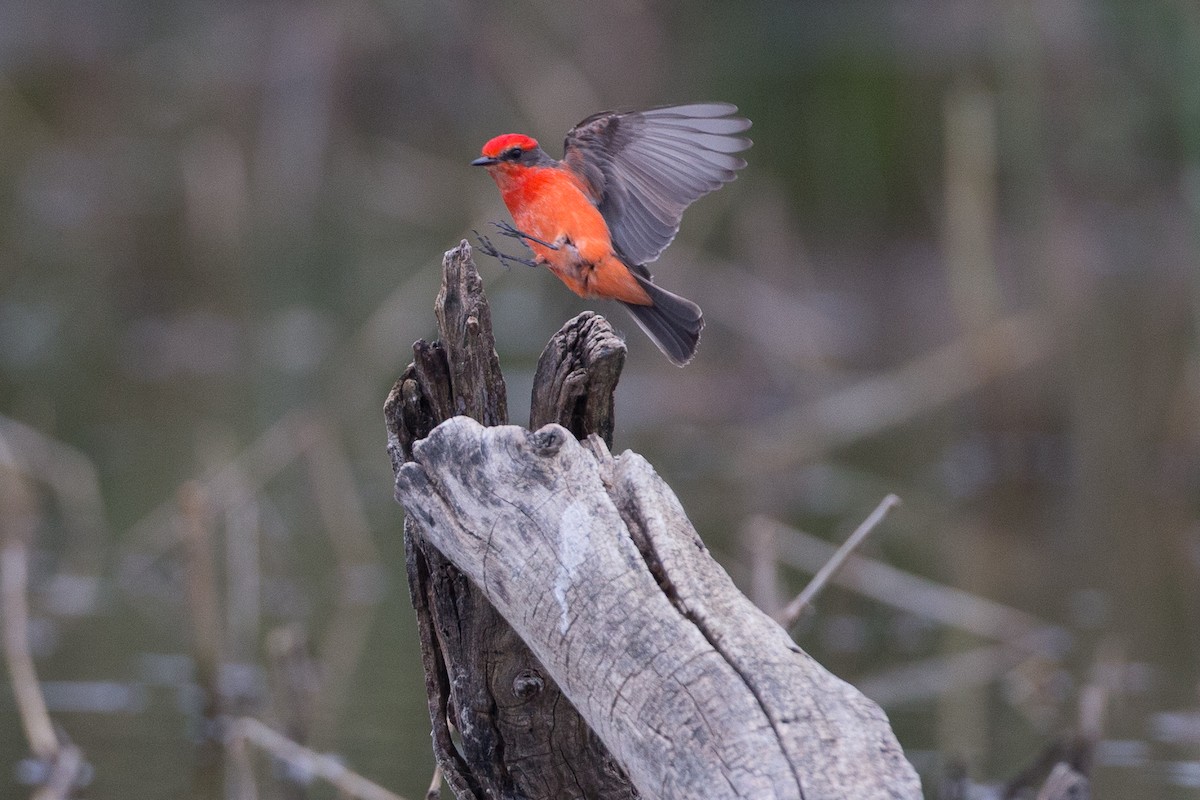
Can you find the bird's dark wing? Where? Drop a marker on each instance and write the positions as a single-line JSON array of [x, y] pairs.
[[645, 167]]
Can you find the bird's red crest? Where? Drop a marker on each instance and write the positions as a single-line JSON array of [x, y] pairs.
[[508, 140]]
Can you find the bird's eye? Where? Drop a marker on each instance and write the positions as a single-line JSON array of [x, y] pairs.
[[512, 153]]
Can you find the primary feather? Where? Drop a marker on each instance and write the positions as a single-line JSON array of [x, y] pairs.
[[643, 168]]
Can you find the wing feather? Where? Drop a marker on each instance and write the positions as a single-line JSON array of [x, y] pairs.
[[644, 168]]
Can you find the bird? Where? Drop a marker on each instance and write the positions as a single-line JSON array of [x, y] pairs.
[[614, 203]]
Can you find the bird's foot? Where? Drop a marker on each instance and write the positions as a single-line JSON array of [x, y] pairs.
[[487, 248], [508, 230]]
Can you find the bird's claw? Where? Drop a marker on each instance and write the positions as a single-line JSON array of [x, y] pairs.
[[488, 249], [508, 230]]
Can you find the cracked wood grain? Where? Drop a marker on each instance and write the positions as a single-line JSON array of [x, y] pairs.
[[576, 377], [595, 566], [574, 630], [518, 736]]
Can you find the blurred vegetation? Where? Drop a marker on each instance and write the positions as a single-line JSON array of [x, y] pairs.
[[216, 215]]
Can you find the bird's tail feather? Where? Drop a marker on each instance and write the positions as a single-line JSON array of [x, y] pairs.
[[672, 322]]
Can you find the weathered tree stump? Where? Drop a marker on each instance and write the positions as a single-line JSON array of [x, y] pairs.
[[520, 737], [574, 628]]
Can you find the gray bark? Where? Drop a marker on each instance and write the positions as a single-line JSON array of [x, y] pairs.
[[574, 628], [576, 377], [593, 563], [519, 736]]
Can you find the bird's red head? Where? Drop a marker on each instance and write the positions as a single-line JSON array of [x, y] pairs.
[[506, 142], [508, 150]]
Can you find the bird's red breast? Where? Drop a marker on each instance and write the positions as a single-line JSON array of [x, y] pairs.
[[551, 203]]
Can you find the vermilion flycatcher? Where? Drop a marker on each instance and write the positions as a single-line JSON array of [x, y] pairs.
[[614, 202]]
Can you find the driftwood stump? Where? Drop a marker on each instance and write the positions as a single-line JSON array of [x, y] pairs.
[[574, 629]]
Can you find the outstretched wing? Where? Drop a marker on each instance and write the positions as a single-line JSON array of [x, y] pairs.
[[645, 167]]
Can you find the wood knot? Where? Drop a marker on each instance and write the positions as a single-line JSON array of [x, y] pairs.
[[547, 441], [528, 684]]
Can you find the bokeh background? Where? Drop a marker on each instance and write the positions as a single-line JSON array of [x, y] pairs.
[[961, 267]]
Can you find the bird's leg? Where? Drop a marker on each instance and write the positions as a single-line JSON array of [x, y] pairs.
[[520, 236], [487, 248]]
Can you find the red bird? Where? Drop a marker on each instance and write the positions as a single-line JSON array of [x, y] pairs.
[[614, 202]]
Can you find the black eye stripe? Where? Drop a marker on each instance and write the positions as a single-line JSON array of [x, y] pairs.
[[512, 153]]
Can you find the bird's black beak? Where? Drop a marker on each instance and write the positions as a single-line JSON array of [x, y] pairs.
[[484, 161]]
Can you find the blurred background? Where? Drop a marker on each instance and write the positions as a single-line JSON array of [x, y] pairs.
[[961, 267]]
